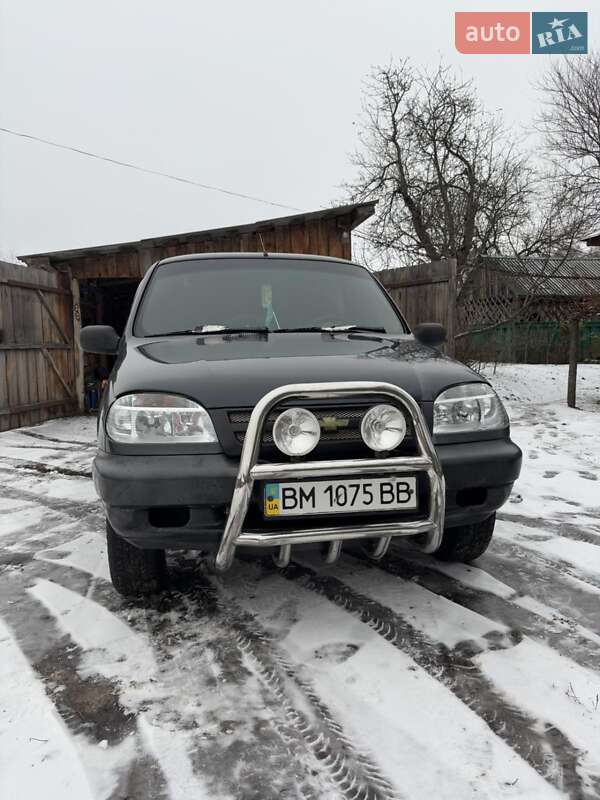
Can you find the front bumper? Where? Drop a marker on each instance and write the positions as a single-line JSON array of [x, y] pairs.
[[478, 479]]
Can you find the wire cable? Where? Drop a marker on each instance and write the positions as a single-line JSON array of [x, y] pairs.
[[160, 174], [138, 168]]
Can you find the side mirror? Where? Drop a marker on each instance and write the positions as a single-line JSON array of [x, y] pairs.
[[99, 339], [430, 333]]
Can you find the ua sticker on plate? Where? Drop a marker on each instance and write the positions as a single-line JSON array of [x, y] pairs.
[[272, 506]]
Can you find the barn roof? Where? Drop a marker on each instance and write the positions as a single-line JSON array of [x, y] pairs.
[[355, 212], [548, 277]]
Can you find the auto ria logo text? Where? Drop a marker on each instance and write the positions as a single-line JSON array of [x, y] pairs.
[[521, 32]]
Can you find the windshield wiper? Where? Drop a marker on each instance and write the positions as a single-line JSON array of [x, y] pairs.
[[212, 329], [333, 329]]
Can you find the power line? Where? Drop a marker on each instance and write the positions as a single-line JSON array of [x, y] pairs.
[[160, 174], [138, 168]]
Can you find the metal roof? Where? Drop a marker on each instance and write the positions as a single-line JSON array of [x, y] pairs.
[[548, 277], [359, 212]]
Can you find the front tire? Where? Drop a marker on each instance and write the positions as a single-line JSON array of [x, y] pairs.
[[467, 542], [133, 571]]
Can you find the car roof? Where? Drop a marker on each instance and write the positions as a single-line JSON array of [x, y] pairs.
[[268, 254]]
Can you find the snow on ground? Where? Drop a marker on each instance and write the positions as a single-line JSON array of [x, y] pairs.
[[406, 679]]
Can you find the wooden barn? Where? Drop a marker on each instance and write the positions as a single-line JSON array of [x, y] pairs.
[[43, 372]]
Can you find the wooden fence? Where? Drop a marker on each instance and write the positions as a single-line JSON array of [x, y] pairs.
[[38, 377], [425, 293]]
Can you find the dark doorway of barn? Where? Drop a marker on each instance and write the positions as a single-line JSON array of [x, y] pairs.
[[103, 301]]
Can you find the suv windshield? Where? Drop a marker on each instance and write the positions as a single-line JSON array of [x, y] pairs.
[[261, 292]]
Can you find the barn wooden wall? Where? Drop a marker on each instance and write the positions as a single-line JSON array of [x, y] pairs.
[[320, 236], [36, 347]]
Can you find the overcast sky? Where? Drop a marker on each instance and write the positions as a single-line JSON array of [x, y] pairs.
[[256, 96]]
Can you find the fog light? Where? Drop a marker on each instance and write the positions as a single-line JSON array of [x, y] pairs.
[[383, 427], [296, 432]]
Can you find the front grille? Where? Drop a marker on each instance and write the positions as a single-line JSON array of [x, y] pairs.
[[339, 424]]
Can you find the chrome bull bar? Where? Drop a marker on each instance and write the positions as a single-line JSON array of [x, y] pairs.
[[250, 470]]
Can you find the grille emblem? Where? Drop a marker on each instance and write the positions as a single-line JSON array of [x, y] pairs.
[[333, 423]]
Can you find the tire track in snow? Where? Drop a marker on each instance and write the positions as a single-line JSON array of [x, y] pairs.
[[80, 510], [550, 753], [47, 468], [89, 706], [568, 530], [44, 438], [142, 778], [242, 745], [508, 548], [543, 581], [353, 774], [169, 622], [498, 609]]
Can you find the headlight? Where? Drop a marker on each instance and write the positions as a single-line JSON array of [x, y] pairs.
[[296, 431], [383, 427], [152, 418], [470, 407]]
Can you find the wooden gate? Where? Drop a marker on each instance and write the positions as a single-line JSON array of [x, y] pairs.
[[37, 353]]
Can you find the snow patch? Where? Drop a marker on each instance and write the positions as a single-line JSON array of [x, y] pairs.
[[38, 755], [564, 693]]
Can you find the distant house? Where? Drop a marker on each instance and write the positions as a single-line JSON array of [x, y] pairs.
[[509, 309], [534, 299]]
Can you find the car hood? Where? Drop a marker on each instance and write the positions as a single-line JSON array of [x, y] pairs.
[[236, 371]]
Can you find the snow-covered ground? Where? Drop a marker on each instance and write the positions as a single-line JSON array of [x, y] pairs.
[[406, 679]]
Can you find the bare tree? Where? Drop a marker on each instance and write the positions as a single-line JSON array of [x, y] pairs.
[[449, 181], [452, 182], [570, 120]]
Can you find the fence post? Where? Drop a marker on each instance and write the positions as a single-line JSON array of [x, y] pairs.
[[77, 351], [451, 314], [573, 357]]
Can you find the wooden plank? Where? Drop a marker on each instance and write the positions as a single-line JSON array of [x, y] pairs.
[[5, 412], [12, 386], [21, 357], [34, 287], [65, 315], [77, 351], [53, 317], [56, 371], [27, 375], [413, 282], [8, 334], [8, 327], [32, 334], [313, 238], [451, 308], [3, 390], [35, 346], [41, 365]]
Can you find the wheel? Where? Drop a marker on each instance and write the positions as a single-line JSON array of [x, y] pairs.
[[134, 571], [467, 542]]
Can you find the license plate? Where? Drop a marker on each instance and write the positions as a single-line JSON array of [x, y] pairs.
[[340, 496]]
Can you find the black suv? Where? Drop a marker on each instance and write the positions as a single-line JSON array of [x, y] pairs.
[[267, 400]]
